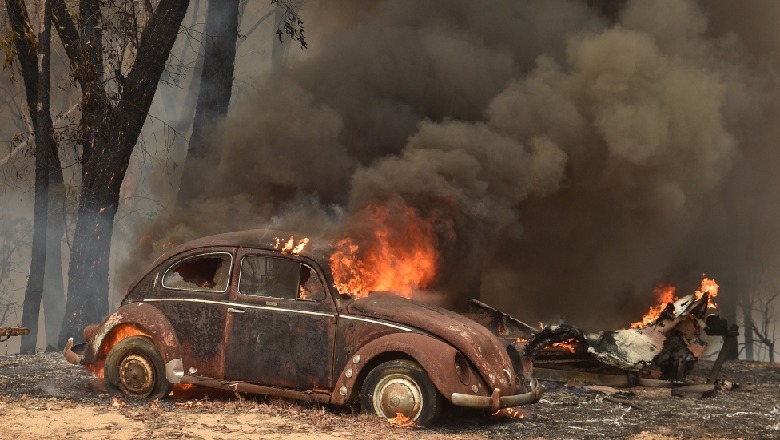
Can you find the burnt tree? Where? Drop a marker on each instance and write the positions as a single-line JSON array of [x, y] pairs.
[[216, 80], [33, 53], [216, 84], [115, 100], [53, 285]]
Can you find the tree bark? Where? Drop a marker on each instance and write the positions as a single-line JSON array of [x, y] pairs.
[[87, 299], [42, 126], [110, 133], [53, 286], [747, 325], [216, 84]]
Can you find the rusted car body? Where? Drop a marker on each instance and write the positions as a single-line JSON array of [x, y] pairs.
[[233, 311]]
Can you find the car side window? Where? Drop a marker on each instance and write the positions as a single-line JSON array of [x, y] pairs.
[[266, 276], [310, 286], [279, 278], [205, 273]]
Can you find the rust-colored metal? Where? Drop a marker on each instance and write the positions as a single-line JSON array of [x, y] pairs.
[[199, 329], [70, 355], [262, 332], [498, 322], [146, 319], [292, 345], [667, 348], [436, 358], [243, 387], [7, 332], [475, 341]]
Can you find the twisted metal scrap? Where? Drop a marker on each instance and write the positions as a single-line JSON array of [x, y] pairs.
[[7, 332]]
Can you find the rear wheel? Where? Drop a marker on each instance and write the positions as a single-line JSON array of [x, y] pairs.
[[402, 387], [135, 368]]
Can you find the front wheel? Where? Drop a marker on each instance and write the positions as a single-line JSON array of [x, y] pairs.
[[135, 368], [402, 387]]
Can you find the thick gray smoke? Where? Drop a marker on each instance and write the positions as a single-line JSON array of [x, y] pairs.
[[578, 161]]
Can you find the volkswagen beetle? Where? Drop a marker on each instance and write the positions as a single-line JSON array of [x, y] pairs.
[[236, 311]]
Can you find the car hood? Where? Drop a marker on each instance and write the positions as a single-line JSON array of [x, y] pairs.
[[473, 340]]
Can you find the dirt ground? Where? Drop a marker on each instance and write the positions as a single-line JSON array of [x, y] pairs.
[[43, 397]]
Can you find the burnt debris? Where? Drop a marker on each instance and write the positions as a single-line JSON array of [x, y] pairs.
[[660, 353]]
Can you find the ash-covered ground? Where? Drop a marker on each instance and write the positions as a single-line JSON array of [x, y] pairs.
[[42, 396]]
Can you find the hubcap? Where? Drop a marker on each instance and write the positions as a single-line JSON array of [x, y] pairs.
[[397, 393], [136, 375]]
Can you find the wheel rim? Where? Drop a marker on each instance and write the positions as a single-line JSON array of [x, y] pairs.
[[398, 393], [136, 375]]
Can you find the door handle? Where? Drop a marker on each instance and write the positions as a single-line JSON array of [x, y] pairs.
[[232, 310]]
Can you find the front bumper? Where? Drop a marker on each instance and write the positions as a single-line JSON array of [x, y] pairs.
[[74, 354], [496, 401]]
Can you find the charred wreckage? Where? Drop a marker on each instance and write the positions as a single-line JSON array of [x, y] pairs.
[[659, 351], [248, 312]]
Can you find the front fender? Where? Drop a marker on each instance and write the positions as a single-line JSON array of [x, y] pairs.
[[436, 357], [137, 318]]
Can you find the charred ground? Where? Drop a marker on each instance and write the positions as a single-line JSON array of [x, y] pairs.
[[42, 396]]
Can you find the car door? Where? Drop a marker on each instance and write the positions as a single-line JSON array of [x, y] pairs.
[[192, 290], [281, 324]]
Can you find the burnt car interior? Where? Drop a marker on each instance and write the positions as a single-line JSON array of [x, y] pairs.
[[279, 278], [209, 272]]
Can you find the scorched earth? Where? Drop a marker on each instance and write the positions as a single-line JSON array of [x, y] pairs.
[[44, 397]]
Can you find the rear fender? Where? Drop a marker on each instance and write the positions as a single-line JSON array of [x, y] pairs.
[[137, 319], [436, 357]]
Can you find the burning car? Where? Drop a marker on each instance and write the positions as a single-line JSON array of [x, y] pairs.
[[248, 312], [659, 350]]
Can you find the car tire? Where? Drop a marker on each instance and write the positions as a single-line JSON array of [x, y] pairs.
[[135, 368], [401, 386]]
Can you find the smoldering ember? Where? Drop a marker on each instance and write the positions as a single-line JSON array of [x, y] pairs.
[[389, 218]]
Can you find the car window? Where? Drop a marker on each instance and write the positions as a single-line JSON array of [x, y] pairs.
[[279, 278], [207, 272], [310, 286]]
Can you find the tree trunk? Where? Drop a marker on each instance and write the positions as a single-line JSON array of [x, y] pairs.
[[112, 133], [87, 299], [747, 325], [216, 83], [34, 291], [53, 286]]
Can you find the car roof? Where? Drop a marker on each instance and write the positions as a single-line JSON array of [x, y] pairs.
[[317, 248]]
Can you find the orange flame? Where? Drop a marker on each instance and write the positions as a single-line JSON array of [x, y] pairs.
[[290, 246], [183, 390], [709, 286], [510, 413], [568, 345], [394, 250], [666, 295], [117, 334], [401, 421]]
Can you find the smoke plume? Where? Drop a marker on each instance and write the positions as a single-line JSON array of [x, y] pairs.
[[571, 160]]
